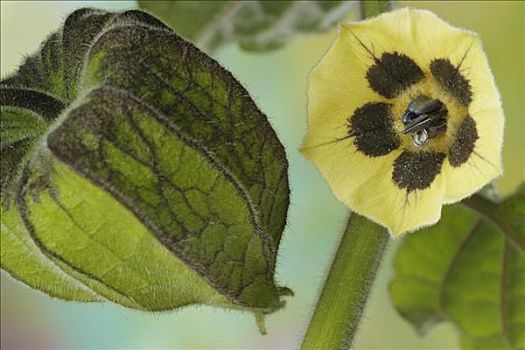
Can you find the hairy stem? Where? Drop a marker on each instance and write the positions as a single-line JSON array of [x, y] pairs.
[[349, 281], [347, 286]]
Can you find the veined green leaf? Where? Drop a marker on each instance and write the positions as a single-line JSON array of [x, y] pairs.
[[255, 25], [141, 170], [22, 259], [467, 271], [101, 239]]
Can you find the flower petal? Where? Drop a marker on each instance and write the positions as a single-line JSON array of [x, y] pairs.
[[346, 169], [399, 209], [417, 170], [338, 86], [372, 128], [452, 80], [392, 73], [483, 164], [418, 34]]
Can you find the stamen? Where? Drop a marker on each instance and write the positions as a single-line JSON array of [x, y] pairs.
[[420, 138], [424, 118]]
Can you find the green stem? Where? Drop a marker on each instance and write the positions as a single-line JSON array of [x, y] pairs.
[[349, 281], [347, 286], [371, 8], [483, 206], [488, 210]]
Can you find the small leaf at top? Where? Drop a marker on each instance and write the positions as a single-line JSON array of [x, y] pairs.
[[468, 271], [255, 25]]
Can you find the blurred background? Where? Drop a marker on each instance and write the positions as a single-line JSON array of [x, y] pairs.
[[277, 82]]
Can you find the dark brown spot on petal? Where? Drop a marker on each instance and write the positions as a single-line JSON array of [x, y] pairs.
[[393, 73], [373, 130], [463, 145], [452, 80], [417, 170]]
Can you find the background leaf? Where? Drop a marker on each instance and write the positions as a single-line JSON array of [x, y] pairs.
[[255, 25], [141, 170], [467, 271]]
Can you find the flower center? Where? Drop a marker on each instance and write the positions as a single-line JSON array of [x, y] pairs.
[[424, 118], [427, 118]]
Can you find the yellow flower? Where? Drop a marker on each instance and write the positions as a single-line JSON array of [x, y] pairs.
[[403, 117]]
